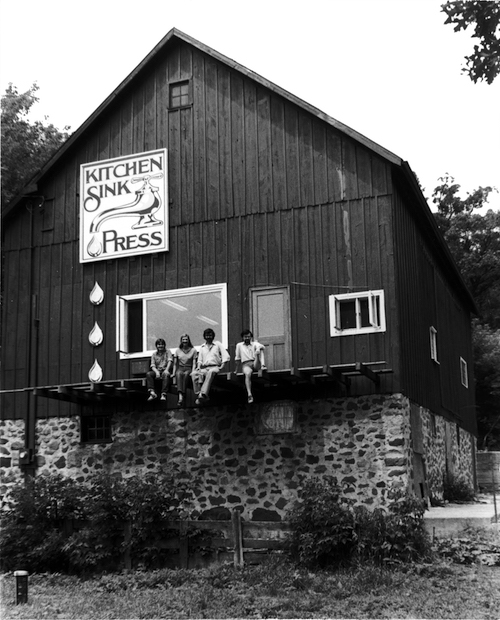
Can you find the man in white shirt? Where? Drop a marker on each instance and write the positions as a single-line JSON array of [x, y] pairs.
[[250, 356], [212, 358]]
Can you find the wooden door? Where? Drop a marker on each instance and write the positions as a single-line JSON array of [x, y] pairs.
[[270, 315]]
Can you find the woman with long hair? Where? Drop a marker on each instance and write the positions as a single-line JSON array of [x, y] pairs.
[[184, 360]]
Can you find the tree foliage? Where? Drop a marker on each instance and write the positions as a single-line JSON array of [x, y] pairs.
[[26, 146], [474, 241], [484, 62]]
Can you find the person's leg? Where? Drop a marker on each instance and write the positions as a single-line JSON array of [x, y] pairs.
[[207, 383], [150, 383], [165, 383], [247, 371], [197, 377]]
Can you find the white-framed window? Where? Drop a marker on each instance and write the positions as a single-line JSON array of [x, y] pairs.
[[357, 313], [464, 377], [433, 343], [145, 317]]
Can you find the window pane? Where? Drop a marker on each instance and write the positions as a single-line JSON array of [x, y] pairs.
[[364, 312], [347, 311], [270, 315], [169, 317], [134, 326]]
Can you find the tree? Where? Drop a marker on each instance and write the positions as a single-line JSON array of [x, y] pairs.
[[487, 369], [26, 146], [484, 62], [474, 241]]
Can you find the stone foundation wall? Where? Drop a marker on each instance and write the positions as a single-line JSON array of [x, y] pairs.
[[460, 459], [11, 443], [254, 458]]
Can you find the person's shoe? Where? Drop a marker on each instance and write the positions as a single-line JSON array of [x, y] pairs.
[[250, 399], [163, 397], [152, 395]]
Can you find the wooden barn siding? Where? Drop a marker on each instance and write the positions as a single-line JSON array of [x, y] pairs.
[[261, 193], [426, 300]]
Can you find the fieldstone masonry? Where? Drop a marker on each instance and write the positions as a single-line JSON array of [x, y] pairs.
[[253, 458]]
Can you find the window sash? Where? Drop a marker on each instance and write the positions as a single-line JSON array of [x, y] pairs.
[[433, 343], [355, 313], [200, 303]]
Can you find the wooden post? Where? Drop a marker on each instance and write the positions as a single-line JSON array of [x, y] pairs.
[[238, 539], [183, 545], [127, 538]]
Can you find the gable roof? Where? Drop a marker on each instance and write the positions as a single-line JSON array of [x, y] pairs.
[[171, 37], [404, 170]]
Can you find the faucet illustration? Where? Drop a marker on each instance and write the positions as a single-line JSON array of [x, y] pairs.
[[146, 204]]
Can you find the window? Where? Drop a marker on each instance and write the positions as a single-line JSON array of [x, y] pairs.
[[433, 341], [463, 373], [96, 429], [168, 314], [357, 313], [180, 95]]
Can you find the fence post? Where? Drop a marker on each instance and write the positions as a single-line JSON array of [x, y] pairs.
[[238, 539], [127, 538], [183, 545]]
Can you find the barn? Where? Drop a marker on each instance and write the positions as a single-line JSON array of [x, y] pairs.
[[199, 194]]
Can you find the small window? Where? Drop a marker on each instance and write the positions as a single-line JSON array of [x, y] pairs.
[[357, 313], [168, 314], [433, 342], [180, 95], [464, 377], [96, 429]]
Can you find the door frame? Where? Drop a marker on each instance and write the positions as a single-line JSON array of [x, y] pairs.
[[287, 319]]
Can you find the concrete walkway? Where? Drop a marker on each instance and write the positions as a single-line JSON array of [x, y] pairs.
[[452, 519]]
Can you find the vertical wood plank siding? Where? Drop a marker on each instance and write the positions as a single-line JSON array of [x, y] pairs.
[[261, 193], [425, 299]]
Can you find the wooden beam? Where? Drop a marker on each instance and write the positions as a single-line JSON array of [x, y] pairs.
[[367, 372]]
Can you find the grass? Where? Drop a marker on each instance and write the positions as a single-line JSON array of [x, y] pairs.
[[273, 590]]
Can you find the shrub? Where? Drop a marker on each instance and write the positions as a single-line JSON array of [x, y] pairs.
[[32, 536], [323, 529], [456, 489], [327, 530], [30, 533], [396, 534]]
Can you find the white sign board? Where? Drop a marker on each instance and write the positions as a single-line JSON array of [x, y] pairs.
[[124, 206]]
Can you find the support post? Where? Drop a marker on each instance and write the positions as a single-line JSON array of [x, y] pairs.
[[238, 539]]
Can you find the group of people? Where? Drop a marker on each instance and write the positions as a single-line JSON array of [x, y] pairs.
[[202, 366]]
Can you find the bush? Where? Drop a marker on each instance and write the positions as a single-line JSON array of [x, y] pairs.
[[32, 535], [457, 489], [396, 534], [323, 528], [327, 530]]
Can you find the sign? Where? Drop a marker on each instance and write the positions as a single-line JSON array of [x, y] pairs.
[[124, 206]]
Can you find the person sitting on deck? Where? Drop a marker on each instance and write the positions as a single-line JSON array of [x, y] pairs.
[[212, 358], [184, 362], [161, 368], [250, 357]]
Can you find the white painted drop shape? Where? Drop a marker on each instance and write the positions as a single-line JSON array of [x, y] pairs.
[[95, 373], [96, 295], [96, 336]]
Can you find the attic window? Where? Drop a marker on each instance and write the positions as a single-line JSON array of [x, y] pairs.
[[357, 313], [180, 95]]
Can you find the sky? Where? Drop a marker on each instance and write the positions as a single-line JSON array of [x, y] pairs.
[[389, 69]]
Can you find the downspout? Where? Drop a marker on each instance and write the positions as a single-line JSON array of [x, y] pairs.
[[29, 460]]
